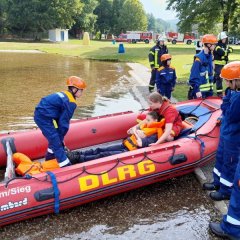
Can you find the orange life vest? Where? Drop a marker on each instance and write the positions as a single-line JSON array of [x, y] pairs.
[[26, 166], [149, 129]]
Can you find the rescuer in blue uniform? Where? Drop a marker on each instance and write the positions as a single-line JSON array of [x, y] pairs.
[[53, 114], [230, 224], [223, 173], [154, 60], [166, 77], [201, 85], [220, 53]]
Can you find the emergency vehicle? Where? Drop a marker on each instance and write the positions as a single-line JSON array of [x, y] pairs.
[[135, 36], [175, 37]]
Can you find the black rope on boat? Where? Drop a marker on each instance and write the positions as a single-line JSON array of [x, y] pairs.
[[99, 174], [26, 177], [69, 179], [173, 153], [135, 162], [194, 108]]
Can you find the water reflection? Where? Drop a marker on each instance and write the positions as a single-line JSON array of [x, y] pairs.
[[26, 78]]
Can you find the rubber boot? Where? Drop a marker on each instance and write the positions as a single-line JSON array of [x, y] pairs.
[[218, 196], [210, 187], [74, 157], [216, 229]]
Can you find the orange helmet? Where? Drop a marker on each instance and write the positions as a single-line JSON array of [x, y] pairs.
[[165, 57], [231, 71], [76, 82], [209, 38]]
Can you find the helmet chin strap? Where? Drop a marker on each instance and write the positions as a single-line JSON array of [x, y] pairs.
[[209, 47], [73, 92]]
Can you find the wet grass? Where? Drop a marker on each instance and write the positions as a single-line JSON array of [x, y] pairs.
[[106, 51]]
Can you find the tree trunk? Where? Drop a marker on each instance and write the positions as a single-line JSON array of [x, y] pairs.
[[226, 21]]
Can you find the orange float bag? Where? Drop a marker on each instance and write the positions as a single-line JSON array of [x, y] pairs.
[[26, 166]]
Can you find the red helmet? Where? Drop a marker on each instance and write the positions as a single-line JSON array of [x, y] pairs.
[[231, 71], [165, 57], [76, 82], [209, 38]]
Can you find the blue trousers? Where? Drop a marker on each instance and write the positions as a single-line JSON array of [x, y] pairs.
[[231, 222], [165, 90], [225, 166], [92, 154], [55, 141]]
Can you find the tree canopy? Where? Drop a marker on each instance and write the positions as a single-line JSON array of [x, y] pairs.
[[206, 14], [40, 15], [132, 16], [116, 16]]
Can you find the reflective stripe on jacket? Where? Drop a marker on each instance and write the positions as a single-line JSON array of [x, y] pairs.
[[155, 54], [221, 53]]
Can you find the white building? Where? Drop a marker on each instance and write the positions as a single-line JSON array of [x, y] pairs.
[[58, 35]]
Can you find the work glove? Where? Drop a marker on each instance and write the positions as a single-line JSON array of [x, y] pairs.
[[229, 50]]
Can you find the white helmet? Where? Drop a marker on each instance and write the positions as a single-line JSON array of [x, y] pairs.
[[160, 39], [222, 35]]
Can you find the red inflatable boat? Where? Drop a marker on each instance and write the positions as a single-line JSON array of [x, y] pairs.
[[27, 197]]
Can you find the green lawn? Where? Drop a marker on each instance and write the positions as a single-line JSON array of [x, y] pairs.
[[106, 51]]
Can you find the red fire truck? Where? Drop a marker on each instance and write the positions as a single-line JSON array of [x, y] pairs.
[[175, 37], [135, 36]]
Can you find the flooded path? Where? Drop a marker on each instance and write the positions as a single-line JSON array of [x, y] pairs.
[[176, 209]]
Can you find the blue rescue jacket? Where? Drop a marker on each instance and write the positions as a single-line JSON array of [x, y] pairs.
[[60, 107], [166, 75], [230, 130], [202, 66]]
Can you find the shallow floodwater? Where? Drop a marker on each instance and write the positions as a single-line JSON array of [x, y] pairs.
[[176, 209], [26, 78], [173, 210]]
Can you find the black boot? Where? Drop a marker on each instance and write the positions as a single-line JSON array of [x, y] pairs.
[[216, 229], [210, 187], [217, 196], [73, 156], [150, 88]]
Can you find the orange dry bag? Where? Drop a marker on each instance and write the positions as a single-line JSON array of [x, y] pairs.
[[26, 166]]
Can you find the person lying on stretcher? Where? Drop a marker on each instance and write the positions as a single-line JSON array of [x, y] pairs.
[[142, 136]]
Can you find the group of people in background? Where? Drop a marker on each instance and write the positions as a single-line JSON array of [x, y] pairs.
[[210, 66], [211, 56]]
